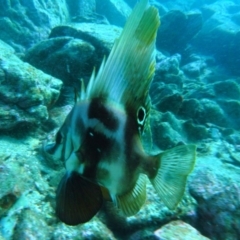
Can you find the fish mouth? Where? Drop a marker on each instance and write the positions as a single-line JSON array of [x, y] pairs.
[[49, 153], [47, 149]]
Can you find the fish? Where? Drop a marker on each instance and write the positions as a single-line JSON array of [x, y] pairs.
[[100, 142]]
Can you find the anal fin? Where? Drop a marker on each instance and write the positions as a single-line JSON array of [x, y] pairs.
[[131, 202], [174, 167], [78, 199]]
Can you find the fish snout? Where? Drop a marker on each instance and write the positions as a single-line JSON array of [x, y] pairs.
[[51, 151]]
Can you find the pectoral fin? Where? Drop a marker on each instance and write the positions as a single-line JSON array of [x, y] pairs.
[[131, 202], [78, 199], [174, 167]]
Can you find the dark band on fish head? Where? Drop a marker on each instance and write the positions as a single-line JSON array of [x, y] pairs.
[[95, 146], [98, 110], [131, 130]]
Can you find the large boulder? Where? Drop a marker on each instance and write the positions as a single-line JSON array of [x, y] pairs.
[[72, 51], [116, 11], [81, 9], [220, 34], [26, 93], [24, 23], [178, 230], [215, 185], [177, 29]]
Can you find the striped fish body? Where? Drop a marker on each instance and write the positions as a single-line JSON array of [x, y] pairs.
[[102, 145], [100, 140]]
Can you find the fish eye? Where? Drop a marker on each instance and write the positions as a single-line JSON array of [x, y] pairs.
[[141, 115]]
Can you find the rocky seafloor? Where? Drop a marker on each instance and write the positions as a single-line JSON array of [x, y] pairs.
[[47, 46]]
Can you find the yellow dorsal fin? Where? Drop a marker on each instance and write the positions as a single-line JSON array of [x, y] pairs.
[[129, 69]]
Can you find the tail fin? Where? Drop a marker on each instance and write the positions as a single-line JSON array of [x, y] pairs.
[[174, 167]]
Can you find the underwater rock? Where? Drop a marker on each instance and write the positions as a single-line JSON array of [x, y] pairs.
[[31, 225], [211, 112], [73, 50], [23, 189], [195, 132], [178, 230], [115, 11], [227, 89], [220, 36], [194, 69], [177, 29], [101, 36], [234, 139], [9, 193], [167, 72], [81, 9], [167, 136], [168, 65], [66, 58], [166, 130], [93, 230], [159, 90], [24, 23], [142, 235], [25, 92], [215, 186], [232, 111], [217, 190], [170, 103], [202, 91], [190, 108]]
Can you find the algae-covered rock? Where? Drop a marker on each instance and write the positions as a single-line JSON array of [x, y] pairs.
[[218, 205], [227, 89], [91, 230], [195, 132], [66, 58], [178, 230], [81, 9], [211, 112], [170, 103], [73, 50], [220, 34], [100, 36], [116, 11], [26, 93], [215, 185], [24, 23], [31, 225], [194, 69], [177, 29], [166, 130], [24, 207], [232, 111], [190, 108], [170, 65]]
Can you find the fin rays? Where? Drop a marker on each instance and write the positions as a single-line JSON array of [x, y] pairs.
[[129, 69], [130, 203], [175, 166], [78, 199]]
